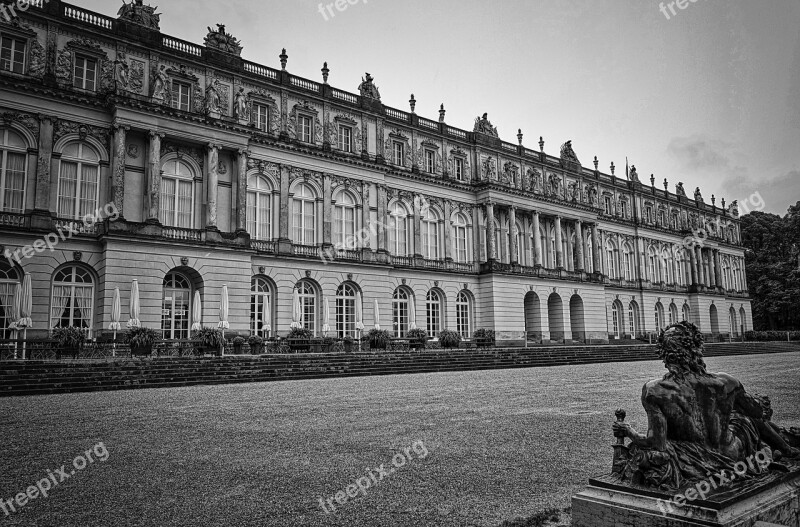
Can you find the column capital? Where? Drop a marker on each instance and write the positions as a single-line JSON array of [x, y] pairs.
[[155, 133], [119, 126], [244, 152], [214, 146]]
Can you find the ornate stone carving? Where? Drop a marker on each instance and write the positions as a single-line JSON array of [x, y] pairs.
[[121, 73], [38, 60], [698, 196], [64, 67], [28, 121], [367, 88], [489, 169], [510, 174], [63, 128], [632, 175], [574, 191], [264, 167], [222, 41], [136, 76], [733, 208], [264, 97], [554, 186], [160, 91], [212, 100], [535, 178], [241, 106], [107, 76], [569, 160], [141, 14], [484, 126], [181, 150], [133, 151], [308, 108]]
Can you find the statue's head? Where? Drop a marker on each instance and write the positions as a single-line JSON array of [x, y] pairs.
[[680, 346]]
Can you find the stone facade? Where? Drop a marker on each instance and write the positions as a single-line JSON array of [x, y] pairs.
[[228, 172]]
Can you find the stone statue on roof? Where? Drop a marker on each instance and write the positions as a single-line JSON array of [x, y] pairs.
[[141, 14], [484, 126], [679, 190], [222, 41], [368, 89]]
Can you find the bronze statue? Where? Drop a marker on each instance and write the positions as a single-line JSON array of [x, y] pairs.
[[699, 423]]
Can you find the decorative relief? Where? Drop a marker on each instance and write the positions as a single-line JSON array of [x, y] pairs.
[[160, 90], [63, 128], [458, 152], [306, 175], [181, 150], [484, 126], [136, 76], [262, 96], [510, 175], [591, 194], [535, 180], [133, 151], [64, 67], [38, 60], [574, 192], [367, 88], [489, 169], [264, 167], [223, 41], [144, 15], [28, 121], [554, 188], [569, 160], [398, 135]]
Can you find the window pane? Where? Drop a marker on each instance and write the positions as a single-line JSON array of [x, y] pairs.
[[14, 178], [67, 189], [168, 190]]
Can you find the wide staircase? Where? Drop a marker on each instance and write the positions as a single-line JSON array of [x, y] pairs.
[[48, 377]]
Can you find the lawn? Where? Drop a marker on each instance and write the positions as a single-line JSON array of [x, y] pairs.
[[500, 444]]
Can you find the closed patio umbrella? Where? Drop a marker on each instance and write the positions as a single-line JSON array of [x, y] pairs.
[[377, 315], [15, 316], [25, 310], [267, 325], [359, 313], [412, 315], [297, 314], [197, 312], [134, 322], [326, 326], [116, 313], [224, 307]]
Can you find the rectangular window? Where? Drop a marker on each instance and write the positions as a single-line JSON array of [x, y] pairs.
[[607, 203], [648, 215], [85, 73], [12, 55], [430, 161], [458, 165], [181, 95], [623, 209], [12, 182], [304, 123], [345, 138], [261, 117], [398, 153]]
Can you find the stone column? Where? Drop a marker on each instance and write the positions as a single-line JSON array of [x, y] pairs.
[[417, 239], [693, 265], [327, 211], [366, 216], [569, 258], [579, 245], [154, 178], [448, 230], [476, 234], [241, 192], [42, 198], [644, 268], [743, 273], [118, 168], [603, 260], [382, 204], [717, 269], [595, 249], [491, 242], [283, 224], [537, 240], [212, 182], [512, 225], [559, 249], [701, 279]]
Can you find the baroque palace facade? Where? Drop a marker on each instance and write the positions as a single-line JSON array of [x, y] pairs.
[[220, 171]]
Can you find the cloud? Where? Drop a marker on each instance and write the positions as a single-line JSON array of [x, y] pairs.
[[699, 152], [774, 194]]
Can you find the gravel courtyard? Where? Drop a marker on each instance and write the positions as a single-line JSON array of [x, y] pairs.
[[500, 444]]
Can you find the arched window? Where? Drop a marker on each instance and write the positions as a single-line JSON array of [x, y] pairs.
[[611, 260], [433, 313], [73, 299], [346, 311], [400, 303], [680, 260], [461, 239], [304, 216], [519, 236], [666, 267], [616, 319], [78, 181], [9, 280], [177, 194], [627, 262], [464, 314], [498, 240], [588, 253], [13, 166], [673, 314], [398, 229], [545, 246], [176, 307], [687, 313], [659, 316], [262, 311], [633, 319], [344, 221], [430, 235], [308, 305], [259, 208], [652, 260]]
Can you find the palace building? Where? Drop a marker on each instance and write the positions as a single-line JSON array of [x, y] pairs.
[[129, 154]]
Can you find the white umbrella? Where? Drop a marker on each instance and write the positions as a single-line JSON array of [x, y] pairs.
[[25, 310], [224, 307], [197, 312], [116, 313], [412, 315], [377, 315], [267, 327], [327, 317], [134, 306], [297, 313], [359, 313], [15, 316]]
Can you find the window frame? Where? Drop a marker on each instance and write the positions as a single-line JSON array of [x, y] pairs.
[[304, 201], [345, 310], [258, 300], [86, 59], [12, 51], [458, 168], [257, 116], [258, 195], [398, 153], [464, 308], [73, 285], [80, 161], [345, 138], [184, 331], [430, 161], [178, 179], [5, 150], [305, 134], [178, 87], [434, 310]]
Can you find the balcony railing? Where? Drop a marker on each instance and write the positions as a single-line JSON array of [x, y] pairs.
[[75, 226], [264, 246], [434, 264], [402, 261], [463, 267], [312, 251], [9, 219], [182, 46], [304, 83], [352, 255], [258, 69], [344, 96], [177, 233], [88, 17]]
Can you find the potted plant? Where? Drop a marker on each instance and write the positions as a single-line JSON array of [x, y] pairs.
[[70, 340], [449, 339], [256, 344], [484, 337], [299, 339], [417, 338], [141, 341], [208, 340], [348, 342], [327, 344], [238, 342], [378, 339]]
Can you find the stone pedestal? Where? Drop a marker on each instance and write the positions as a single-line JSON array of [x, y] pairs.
[[771, 501]]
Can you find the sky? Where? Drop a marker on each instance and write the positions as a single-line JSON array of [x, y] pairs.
[[709, 95]]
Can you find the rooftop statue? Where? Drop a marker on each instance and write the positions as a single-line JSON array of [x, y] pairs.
[[679, 189], [368, 89], [698, 196], [699, 423], [141, 14], [484, 126], [569, 159], [633, 175], [223, 41]]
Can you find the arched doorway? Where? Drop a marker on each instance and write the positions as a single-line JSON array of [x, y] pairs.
[[555, 317], [712, 311], [732, 323], [617, 320], [742, 320], [576, 323], [533, 316]]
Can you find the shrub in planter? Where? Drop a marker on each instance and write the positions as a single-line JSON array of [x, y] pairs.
[[141, 340], [347, 344], [327, 344], [210, 339], [300, 333], [70, 340], [378, 338], [238, 342], [256, 344], [417, 338], [484, 337], [449, 339]]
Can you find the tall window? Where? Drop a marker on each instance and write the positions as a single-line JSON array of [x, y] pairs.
[[13, 157], [346, 311], [73, 299], [653, 264], [648, 214], [433, 313], [520, 239], [9, 280], [627, 262], [398, 229], [304, 215], [398, 153], [400, 302], [345, 221], [680, 276], [611, 261], [687, 313], [458, 167], [430, 235], [430, 161], [616, 319], [607, 205], [666, 266], [177, 195], [182, 96], [305, 131], [78, 181], [85, 76], [176, 307], [345, 138], [12, 55], [259, 208], [261, 307], [633, 318], [308, 306], [623, 209], [460, 238], [659, 316], [260, 116], [673, 314], [464, 315]]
